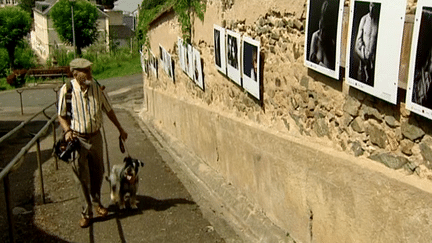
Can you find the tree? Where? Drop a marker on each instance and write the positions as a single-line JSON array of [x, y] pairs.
[[15, 23], [85, 17], [27, 5]]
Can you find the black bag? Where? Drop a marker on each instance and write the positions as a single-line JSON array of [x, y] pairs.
[[66, 151]]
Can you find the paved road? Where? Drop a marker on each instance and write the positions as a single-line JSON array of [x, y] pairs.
[[167, 212]]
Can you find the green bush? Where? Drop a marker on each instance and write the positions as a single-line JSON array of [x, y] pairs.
[[62, 56], [4, 63], [25, 58]]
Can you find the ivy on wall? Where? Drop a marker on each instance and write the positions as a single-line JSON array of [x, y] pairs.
[[184, 10], [151, 9]]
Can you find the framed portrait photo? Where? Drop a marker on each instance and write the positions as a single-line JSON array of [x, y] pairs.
[[180, 52], [374, 46], [154, 64], [251, 66], [197, 73], [189, 61], [323, 36], [219, 48], [419, 89], [161, 56], [169, 66], [143, 59], [233, 56]]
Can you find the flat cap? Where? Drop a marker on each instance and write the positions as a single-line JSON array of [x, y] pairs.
[[78, 63]]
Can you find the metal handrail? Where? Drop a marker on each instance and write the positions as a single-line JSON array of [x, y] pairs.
[[10, 133], [15, 163], [26, 148]]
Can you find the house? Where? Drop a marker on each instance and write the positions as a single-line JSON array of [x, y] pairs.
[[121, 28], [44, 38], [4, 3]]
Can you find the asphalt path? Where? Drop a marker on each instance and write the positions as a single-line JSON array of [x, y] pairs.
[[167, 212]]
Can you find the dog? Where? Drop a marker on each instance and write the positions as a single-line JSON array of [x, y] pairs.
[[124, 182]]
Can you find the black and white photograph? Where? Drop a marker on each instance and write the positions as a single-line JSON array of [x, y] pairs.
[[180, 51], [419, 89], [169, 66], [233, 56], [198, 73], [154, 64], [364, 41], [251, 66], [324, 33], [374, 46], [189, 61], [219, 48], [161, 57], [144, 61], [166, 62]]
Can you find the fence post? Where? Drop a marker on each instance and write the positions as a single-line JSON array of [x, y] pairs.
[[39, 160], [10, 219], [19, 91], [54, 142]]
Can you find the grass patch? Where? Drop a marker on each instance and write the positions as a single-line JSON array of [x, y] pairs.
[[104, 66], [119, 69], [4, 85]]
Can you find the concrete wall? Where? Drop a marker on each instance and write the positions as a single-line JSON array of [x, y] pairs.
[[295, 155]]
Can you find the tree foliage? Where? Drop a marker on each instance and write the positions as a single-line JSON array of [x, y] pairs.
[[85, 21], [15, 23], [27, 5], [184, 9], [150, 9]]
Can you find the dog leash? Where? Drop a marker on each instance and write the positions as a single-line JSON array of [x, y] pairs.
[[106, 150], [123, 146]]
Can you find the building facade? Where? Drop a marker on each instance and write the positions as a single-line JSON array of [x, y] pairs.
[[44, 37]]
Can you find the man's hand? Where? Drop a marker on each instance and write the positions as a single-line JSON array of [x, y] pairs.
[[123, 134], [69, 135]]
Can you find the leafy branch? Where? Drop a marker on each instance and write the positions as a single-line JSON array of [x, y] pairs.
[[183, 8]]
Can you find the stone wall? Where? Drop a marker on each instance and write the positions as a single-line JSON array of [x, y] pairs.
[[299, 105]]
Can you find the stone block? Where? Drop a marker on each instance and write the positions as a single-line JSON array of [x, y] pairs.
[[411, 131], [390, 160]]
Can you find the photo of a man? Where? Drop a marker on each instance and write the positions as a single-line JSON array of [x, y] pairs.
[[422, 85], [217, 47], [232, 51], [364, 41], [250, 62], [322, 33]]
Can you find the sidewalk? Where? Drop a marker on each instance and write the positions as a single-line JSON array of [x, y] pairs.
[[167, 212]]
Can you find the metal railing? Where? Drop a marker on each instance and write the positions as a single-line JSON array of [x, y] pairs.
[[16, 162]]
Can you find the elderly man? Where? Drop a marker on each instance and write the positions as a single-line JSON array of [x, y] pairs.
[[82, 120], [366, 42]]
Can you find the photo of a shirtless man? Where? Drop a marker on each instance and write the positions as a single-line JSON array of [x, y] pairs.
[[364, 41]]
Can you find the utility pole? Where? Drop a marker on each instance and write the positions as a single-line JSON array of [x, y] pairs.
[[73, 27]]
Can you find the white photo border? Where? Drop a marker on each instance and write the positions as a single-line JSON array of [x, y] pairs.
[[154, 64], [190, 58], [322, 69], [180, 50], [222, 49], [389, 43], [410, 105], [233, 73], [198, 73], [250, 85]]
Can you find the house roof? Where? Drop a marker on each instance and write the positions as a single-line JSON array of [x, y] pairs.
[[120, 32]]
